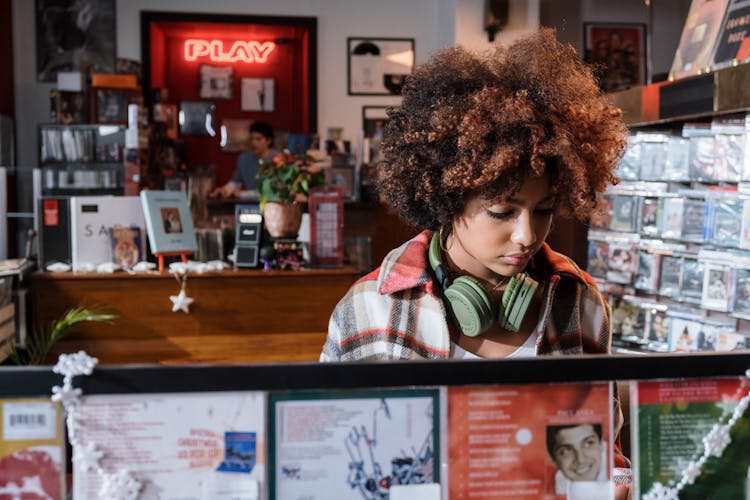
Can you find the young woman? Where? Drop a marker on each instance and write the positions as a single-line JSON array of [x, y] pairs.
[[482, 153]]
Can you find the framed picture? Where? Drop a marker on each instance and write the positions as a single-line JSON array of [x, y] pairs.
[[234, 135], [72, 35], [345, 177], [197, 118], [378, 66], [217, 82], [110, 105], [618, 53], [374, 119], [257, 94]]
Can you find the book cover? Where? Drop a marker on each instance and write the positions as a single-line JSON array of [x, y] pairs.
[[529, 441], [91, 220], [353, 444], [698, 38], [669, 421], [187, 446], [168, 221], [32, 449], [127, 245]]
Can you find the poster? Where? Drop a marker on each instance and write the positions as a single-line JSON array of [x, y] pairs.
[[32, 445], [669, 420], [529, 441], [354, 444], [179, 446]]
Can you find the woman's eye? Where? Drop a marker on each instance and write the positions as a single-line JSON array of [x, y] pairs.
[[500, 215]]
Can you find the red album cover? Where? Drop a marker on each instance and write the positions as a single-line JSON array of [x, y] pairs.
[[529, 441]]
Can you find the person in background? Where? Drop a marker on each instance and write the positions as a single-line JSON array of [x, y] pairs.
[[481, 155], [244, 182]]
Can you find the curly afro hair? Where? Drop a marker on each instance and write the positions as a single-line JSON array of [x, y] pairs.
[[478, 125]]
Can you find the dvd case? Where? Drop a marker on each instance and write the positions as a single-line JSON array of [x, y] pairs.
[[650, 217], [621, 263], [647, 276], [717, 287], [677, 166], [691, 281], [657, 327], [630, 165], [729, 156], [671, 218], [744, 241], [693, 218], [654, 148], [598, 255], [601, 216], [624, 208], [702, 152], [684, 333], [671, 271], [725, 223], [741, 305]]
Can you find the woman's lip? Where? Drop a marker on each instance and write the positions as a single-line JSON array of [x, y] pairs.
[[517, 259]]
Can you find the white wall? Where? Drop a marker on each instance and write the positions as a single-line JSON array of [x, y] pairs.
[[523, 18]]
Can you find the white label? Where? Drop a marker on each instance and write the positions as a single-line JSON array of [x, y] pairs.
[[25, 421], [415, 492], [229, 487]]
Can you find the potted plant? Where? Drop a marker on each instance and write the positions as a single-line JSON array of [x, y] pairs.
[[283, 184]]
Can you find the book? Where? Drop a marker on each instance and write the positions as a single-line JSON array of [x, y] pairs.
[[127, 246], [670, 419], [698, 38], [182, 445], [732, 42], [91, 220], [32, 449], [353, 444], [169, 222], [500, 449]]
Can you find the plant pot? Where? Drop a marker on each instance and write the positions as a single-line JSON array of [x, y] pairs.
[[282, 220]]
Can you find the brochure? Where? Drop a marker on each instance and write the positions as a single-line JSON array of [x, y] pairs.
[[186, 446], [529, 441], [354, 444], [669, 421]]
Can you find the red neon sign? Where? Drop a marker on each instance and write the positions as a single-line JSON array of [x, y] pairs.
[[248, 51]]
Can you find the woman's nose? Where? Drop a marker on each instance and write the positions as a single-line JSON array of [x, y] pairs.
[[523, 232]]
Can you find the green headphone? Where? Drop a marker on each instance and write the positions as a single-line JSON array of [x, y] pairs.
[[469, 303]]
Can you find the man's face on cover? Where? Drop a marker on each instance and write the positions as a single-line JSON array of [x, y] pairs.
[[578, 452]]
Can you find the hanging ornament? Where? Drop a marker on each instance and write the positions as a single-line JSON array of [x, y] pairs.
[[181, 302]]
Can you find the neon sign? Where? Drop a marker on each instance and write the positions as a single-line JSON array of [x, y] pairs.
[[248, 51]]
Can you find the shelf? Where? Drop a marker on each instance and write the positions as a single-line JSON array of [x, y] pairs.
[[721, 92]]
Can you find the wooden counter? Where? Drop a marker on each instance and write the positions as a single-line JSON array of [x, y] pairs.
[[236, 316]]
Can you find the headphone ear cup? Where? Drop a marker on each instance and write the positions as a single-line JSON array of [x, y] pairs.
[[469, 305], [515, 302]]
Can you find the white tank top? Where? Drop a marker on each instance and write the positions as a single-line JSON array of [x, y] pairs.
[[525, 350]]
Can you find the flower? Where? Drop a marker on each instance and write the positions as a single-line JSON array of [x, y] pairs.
[[288, 176]]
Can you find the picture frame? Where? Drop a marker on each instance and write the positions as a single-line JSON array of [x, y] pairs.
[[617, 52], [110, 105], [217, 82], [74, 36], [378, 66], [234, 135], [169, 223], [197, 118], [345, 177], [258, 94]]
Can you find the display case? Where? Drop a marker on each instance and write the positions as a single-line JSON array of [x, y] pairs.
[[81, 159]]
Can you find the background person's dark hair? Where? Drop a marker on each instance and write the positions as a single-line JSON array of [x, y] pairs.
[[264, 129], [552, 431], [478, 125]]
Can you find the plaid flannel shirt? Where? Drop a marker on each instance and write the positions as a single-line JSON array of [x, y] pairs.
[[396, 312]]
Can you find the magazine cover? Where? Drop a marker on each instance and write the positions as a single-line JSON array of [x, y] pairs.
[[529, 441], [32, 449], [354, 444], [698, 38], [168, 221], [188, 446], [669, 421]]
